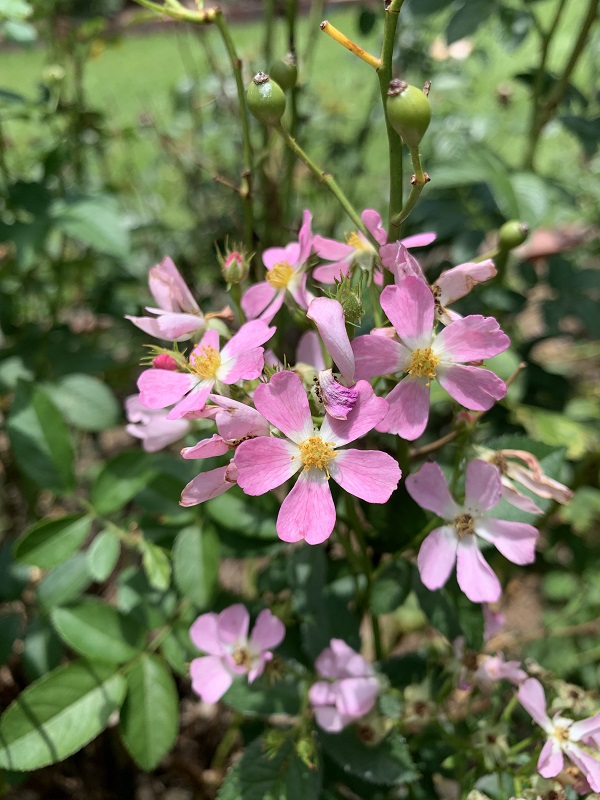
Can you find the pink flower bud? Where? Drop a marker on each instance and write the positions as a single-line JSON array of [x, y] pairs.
[[165, 361]]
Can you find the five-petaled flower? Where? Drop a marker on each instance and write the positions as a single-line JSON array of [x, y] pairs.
[[424, 357], [565, 737], [240, 359], [456, 542], [349, 691], [308, 512], [231, 653]]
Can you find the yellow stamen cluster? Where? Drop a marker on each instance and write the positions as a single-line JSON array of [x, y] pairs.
[[464, 525], [354, 240], [423, 364], [314, 452], [560, 733], [279, 276], [207, 363], [241, 657]]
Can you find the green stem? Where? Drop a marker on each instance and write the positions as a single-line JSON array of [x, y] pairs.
[[544, 112], [327, 179], [384, 73], [418, 181], [247, 157]]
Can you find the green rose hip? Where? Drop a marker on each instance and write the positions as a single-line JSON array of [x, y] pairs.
[[266, 99], [408, 111]]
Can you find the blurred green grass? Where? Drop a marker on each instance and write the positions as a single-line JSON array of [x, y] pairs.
[[134, 81]]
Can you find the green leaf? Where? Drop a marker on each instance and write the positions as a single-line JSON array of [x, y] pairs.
[[99, 632], [281, 776], [236, 512], [263, 697], [196, 564], [391, 587], [40, 439], [86, 402], [150, 717], [120, 480], [103, 554], [65, 583], [97, 222], [556, 429], [12, 370], [48, 543], [468, 18], [157, 566], [18, 31], [15, 9], [387, 764], [583, 512], [59, 714], [178, 649], [11, 624], [42, 649]]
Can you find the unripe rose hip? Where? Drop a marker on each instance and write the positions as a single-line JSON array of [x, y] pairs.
[[512, 234], [266, 99], [408, 111], [284, 71]]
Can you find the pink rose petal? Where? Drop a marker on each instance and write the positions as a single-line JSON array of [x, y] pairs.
[[437, 557], [268, 631], [551, 760], [474, 388], [368, 474], [428, 488], [483, 487], [284, 403], [210, 678], [265, 463], [474, 575], [206, 485], [410, 308], [204, 635], [368, 411], [328, 316], [472, 338], [308, 511], [409, 409], [376, 355], [257, 298], [515, 540], [457, 282]]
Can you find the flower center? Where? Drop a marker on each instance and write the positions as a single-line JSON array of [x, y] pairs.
[[314, 452], [423, 364], [206, 364], [279, 276], [560, 733], [464, 525], [241, 657], [354, 240], [499, 460]]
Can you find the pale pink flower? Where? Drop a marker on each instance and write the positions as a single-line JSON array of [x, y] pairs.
[[565, 737], [349, 691], [529, 474], [457, 541], [451, 285], [357, 249], [286, 272], [177, 315], [231, 653], [491, 669], [425, 357], [308, 512], [493, 621], [151, 426], [236, 422], [240, 359]]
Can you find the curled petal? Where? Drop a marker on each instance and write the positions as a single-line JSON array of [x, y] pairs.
[[368, 411], [194, 401], [328, 316], [169, 289], [368, 474], [428, 487], [585, 727], [207, 485], [419, 239], [588, 764], [400, 262], [474, 388], [338, 400], [457, 282], [373, 223], [206, 448], [532, 698], [238, 420], [308, 511]]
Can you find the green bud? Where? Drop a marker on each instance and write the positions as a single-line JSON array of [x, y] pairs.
[[408, 111], [350, 300], [234, 264], [284, 71], [266, 99], [512, 234]]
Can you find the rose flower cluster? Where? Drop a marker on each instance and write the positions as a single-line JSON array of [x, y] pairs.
[[294, 424]]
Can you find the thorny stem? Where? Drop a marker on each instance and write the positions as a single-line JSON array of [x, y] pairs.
[[392, 11], [327, 179], [543, 112], [418, 181], [419, 452]]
